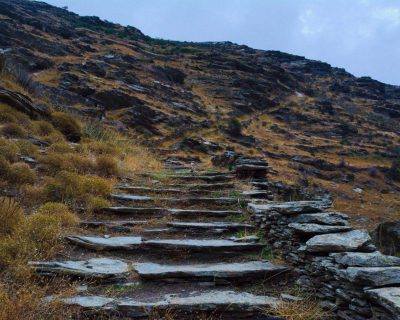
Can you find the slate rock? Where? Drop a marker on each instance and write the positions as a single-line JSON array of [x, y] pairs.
[[209, 272], [327, 218], [99, 268], [375, 276], [388, 298], [312, 228], [238, 303], [101, 243], [229, 226], [365, 259], [291, 207], [339, 242]]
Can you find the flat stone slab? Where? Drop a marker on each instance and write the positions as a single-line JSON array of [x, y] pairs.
[[174, 212], [251, 238], [388, 298], [133, 210], [202, 212], [189, 200], [327, 218], [313, 228], [292, 207], [136, 243], [113, 224], [202, 245], [375, 276], [209, 272], [210, 226], [255, 193], [110, 243], [130, 197], [365, 259], [204, 186], [211, 178], [98, 268], [339, 242], [238, 303]]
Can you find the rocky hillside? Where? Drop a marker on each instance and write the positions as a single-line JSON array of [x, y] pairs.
[[317, 126]]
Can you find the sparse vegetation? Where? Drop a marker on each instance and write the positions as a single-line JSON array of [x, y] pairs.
[[68, 125]]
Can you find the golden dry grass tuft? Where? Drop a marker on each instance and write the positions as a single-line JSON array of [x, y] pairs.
[[11, 216], [107, 166], [20, 174], [13, 130], [307, 309], [61, 211], [68, 125]]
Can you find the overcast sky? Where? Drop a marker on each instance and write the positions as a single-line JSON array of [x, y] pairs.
[[362, 36]]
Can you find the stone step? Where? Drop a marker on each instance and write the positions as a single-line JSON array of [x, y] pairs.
[[207, 178], [202, 186], [206, 226], [96, 268], [228, 304], [291, 207], [183, 191], [186, 200], [131, 243], [219, 272], [118, 226], [174, 212]]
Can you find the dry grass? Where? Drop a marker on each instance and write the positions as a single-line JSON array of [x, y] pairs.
[[20, 174], [307, 309], [13, 130], [68, 125], [11, 216]]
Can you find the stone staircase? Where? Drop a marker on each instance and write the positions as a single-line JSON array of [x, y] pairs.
[[178, 248]]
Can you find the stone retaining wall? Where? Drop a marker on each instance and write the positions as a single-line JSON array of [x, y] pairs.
[[339, 264]]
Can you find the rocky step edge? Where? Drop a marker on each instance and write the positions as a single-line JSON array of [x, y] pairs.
[[229, 304], [109, 269]]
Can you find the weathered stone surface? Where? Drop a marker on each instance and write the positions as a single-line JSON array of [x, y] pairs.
[[256, 193], [111, 243], [210, 226], [187, 200], [99, 268], [290, 207], [251, 170], [129, 197], [252, 238], [112, 224], [203, 212], [375, 276], [388, 298], [133, 210], [312, 228], [328, 218], [211, 178], [365, 259], [209, 272], [211, 301], [201, 245], [339, 242]]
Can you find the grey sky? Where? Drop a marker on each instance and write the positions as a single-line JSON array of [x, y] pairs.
[[362, 36]]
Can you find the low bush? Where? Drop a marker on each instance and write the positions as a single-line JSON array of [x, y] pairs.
[[107, 166], [11, 216], [59, 210], [13, 130], [68, 125], [21, 173], [43, 128], [27, 148], [9, 150], [73, 188], [4, 168]]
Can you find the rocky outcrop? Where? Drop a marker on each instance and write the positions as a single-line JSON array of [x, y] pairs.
[[342, 266]]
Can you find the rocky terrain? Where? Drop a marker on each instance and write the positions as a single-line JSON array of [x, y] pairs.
[[317, 125], [133, 178]]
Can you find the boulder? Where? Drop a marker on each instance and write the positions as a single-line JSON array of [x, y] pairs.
[[292, 207]]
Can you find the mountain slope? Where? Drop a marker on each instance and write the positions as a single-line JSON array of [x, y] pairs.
[[317, 125]]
